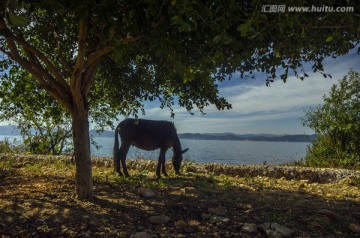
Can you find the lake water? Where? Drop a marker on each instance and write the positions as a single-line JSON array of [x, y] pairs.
[[215, 151], [220, 151]]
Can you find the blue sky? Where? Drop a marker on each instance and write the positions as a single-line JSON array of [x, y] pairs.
[[260, 109]]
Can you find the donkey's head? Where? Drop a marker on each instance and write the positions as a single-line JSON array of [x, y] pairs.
[[176, 160]]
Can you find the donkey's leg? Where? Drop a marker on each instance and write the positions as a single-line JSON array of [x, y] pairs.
[[161, 163], [124, 148], [117, 162]]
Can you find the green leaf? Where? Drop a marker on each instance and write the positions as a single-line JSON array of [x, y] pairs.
[[185, 27], [18, 21], [330, 38], [277, 54], [291, 24], [243, 28], [217, 39]]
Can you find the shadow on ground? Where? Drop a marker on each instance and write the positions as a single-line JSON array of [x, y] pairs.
[[36, 204]]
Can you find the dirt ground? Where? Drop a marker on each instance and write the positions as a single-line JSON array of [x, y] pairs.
[[36, 200]]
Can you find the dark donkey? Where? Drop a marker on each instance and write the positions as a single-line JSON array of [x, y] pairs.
[[147, 135]]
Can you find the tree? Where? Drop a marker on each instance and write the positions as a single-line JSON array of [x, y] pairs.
[[337, 124], [44, 125], [109, 56]]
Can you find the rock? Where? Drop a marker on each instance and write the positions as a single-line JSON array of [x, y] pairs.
[[187, 184], [330, 214], [191, 169], [221, 211], [354, 228], [282, 230], [345, 181], [206, 216], [85, 235], [272, 234], [183, 225], [180, 224], [250, 228], [356, 215], [141, 234], [189, 229], [216, 218], [162, 219], [189, 190], [146, 192], [265, 226]]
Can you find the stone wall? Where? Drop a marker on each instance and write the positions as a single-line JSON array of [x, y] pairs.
[[319, 175]]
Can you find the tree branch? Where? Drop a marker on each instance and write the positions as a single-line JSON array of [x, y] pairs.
[[90, 76], [65, 64], [61, 89], [10, 42], [96, 55], [94, 60], [50, 66], [68, 67], [36, 70], [34, 67], [15, 56], [76, 79]]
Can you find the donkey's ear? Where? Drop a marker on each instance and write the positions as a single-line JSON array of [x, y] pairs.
[[182, 152]]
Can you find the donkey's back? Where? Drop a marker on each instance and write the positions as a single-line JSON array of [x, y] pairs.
[[147, 134]]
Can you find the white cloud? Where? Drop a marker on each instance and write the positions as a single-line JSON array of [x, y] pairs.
[[284, 100], [259, 109], [294, 94]]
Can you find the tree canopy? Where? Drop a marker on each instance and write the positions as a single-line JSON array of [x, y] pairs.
[[107, 57], [44, 125], [337, 124]]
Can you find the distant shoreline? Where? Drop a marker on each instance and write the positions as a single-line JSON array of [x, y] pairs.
[[234, 137], [12, 131], [231, 137]]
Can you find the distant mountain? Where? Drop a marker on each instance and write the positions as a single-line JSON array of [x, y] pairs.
[[242, 135], [198, 136], [248, 137], [12, 130]]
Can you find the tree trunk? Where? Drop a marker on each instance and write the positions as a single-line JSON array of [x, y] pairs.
[[81, 139]]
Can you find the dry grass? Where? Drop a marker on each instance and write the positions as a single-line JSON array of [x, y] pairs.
[[36, 200]]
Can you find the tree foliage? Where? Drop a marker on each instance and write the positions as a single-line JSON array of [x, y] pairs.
[[102, 58], [44, 125], [337, 124]]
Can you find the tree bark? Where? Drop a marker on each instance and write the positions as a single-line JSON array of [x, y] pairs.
[[81, 139]]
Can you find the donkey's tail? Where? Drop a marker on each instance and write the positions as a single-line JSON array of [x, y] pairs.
[[116, 143]]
